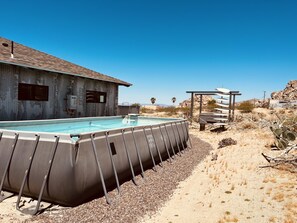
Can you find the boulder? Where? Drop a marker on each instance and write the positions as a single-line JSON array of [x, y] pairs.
[[205, 100], [288, 94]]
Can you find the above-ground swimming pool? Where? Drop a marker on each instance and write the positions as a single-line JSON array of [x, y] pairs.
[[70, 161]]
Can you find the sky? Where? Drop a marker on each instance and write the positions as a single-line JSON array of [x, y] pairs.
[[165, 47]]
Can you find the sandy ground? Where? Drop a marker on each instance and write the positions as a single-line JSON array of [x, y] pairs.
[[233, 188], [8, 213]]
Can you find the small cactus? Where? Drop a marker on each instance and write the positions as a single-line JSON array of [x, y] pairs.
[[284, 134]]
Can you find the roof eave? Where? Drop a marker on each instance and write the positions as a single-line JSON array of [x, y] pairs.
[[123, 83]]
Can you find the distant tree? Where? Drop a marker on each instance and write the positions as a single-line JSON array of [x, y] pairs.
[[153, 100], [173, 100], [136, 104]]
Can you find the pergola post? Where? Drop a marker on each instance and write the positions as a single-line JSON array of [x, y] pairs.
[[230, 106], [233, 107], [192, 106], [200, 108]]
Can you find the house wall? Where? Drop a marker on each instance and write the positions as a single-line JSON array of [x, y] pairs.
[[60, 85]]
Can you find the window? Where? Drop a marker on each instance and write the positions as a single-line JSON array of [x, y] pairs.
[[33, 92], [95, 97]]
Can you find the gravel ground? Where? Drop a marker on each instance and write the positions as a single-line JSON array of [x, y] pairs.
[[134, 201]]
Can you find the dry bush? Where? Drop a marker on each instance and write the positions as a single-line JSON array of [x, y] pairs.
[[245, 107], [146, 110], [247, 125], [211, 105]]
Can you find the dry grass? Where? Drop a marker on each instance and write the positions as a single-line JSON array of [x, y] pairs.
[[279, 197], [227, 218], [269, 179], [247, 125]]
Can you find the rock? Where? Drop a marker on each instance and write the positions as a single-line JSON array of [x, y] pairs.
[[227, 142], [214, 157], [288, 94], [205, 100]]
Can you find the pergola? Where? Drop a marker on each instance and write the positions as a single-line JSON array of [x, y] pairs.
[[232, 96]]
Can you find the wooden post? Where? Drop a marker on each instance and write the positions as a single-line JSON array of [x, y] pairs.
[[233, 107], [230, 106], [202, 126], [192, 106], [200, 109]]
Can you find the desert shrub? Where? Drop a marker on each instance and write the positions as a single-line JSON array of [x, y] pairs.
[[136, 104], [247, 125], [211, 105], [146, 110], [184, 109], [171, 110], [245, 107]]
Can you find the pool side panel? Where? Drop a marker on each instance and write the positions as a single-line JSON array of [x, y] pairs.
[[74, 177]]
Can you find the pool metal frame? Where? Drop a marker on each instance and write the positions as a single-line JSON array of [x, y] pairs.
[[172, 139]]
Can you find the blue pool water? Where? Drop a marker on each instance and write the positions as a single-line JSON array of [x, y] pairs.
[[78, 126]]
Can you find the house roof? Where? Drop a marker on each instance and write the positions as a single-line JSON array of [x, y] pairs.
[[27, 57]]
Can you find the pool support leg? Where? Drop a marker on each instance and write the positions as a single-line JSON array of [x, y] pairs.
[[185, 134], [99, 169], [2, 197], [138, 154], [175, 139], [158, 151], [45, 179], [162, 136], [172, 148], [25, 178], [128, 157], [150, 151], [112, 161], [180, 139], [189, 136]]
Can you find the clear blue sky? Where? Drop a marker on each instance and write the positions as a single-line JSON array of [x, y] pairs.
[[165, 47]]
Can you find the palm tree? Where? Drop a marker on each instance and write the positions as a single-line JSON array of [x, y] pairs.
[[173, 100], [153, 100]]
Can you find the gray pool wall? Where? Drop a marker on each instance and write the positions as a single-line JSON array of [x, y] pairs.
[[74, 175]]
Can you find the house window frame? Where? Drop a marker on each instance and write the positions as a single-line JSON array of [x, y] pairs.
[[32, 92], [96, 96]]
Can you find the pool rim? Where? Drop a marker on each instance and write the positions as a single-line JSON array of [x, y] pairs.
[[71, 136]]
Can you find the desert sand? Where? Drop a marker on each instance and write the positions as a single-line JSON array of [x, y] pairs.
[[233, 188]]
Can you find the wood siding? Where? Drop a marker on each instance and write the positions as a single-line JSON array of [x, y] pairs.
[[60, 85]]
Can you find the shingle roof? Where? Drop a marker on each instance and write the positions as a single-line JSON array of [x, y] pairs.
[[28, 57]]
